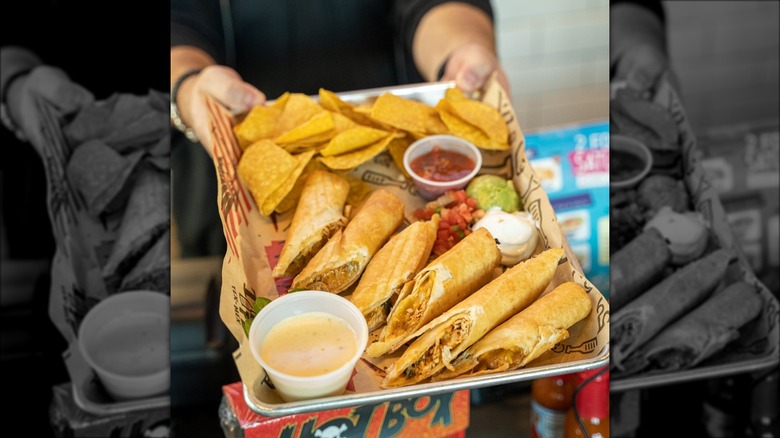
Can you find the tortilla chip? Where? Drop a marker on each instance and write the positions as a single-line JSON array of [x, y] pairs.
[[291, 200], [260, 123], [263, 167], [397, 148], [281, 192], [153, 270], [455, 95], [319, 125], [299, 109], [331, 102], [478, 114], [352, 139], [401, 113], [358, 190], [100, 174], [353, 159], [145, 218], [463, 129]]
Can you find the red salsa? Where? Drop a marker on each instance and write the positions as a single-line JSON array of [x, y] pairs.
[[442, 165]]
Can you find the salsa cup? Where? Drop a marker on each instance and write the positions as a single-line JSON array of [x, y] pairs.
[[619, 144], [430, 189]]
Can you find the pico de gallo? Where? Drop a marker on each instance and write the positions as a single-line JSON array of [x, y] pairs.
[[458, 212]]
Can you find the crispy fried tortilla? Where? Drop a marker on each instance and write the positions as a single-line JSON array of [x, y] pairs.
[[646, 316], [317, 218], [636, 267], [446, 281], [701, 333], [525, 336], [393, 266], [444, 338], [341, 261]]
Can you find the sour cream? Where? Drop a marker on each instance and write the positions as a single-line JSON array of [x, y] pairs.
[[309, 344], [516, 234]]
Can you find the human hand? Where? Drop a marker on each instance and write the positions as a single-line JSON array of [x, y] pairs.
[[471, 65], [221, 83], [50, 84], [641, 67]]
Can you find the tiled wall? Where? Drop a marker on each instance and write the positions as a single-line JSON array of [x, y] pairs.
[[725, 54], [556, 54]]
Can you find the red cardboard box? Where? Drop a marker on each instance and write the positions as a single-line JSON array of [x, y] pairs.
[[435, 416]]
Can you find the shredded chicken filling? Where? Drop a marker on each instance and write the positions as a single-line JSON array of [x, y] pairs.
[[675, 358], [441, 351], [499, 358], [626, 331], [337, 279], [378, 316], [411, 308], [306, 254]]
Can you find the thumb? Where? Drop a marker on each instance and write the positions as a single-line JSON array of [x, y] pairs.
[[471, 77], [225, 85], [72, 97]]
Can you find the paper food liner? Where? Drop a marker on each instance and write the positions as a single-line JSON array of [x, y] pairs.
[[760, 338], [254, 242], [86, 241]]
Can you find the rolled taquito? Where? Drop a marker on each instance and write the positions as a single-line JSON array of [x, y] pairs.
[[443, 339], [699, 334], [404, 255], [341, 261], [640, 320], [636, 267], [317, 218], [525, 336], [446, 281]]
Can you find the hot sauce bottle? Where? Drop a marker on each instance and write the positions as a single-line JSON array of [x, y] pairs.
[[592, 403], [550, 400]]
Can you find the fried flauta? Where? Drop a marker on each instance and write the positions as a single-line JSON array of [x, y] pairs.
[[393, 266], [317, 218], [643, 318], [446, 281], [700, 334], [444, 338], [525, 336], [341, 261]]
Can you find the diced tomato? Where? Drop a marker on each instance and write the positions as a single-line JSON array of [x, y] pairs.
[[460, 196], [457, 212]]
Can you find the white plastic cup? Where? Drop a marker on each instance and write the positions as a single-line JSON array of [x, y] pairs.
[[292, 388], [432, 189], [125, 339], [638, 149]]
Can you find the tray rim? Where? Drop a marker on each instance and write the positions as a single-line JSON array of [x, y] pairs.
[[120, 407], [684, 376], [274, 410]]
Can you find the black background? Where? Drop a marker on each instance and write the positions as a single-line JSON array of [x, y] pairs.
[[107, 47]]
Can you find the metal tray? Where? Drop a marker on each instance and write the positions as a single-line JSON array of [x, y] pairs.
[[719, 365], [429, 94], [381, 396], [700, 373], [90, 395]]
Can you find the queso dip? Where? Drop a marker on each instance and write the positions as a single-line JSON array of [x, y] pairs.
[[310, 344]]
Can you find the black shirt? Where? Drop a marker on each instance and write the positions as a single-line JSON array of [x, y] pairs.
[[302, 45]]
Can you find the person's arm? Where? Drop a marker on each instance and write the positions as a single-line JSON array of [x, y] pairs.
[[458, 37], [195, 59], [25, 79], [638, 50]]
